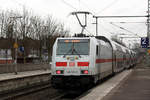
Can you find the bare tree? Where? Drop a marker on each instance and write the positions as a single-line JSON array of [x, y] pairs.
[[31, 27]]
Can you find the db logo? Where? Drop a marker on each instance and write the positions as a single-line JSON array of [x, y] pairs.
[[71, 64]]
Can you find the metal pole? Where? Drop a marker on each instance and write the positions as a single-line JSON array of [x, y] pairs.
[[44, 47], [96, 26], [96, 23], [16, 51], [24, 32], [148, 23], [16, 48], [118, 16]]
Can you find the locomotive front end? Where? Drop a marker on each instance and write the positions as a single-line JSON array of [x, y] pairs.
[[70, 62]]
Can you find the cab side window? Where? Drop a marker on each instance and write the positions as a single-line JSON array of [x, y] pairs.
[[97, 50]]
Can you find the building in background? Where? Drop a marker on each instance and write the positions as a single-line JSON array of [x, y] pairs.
[[5, 56]]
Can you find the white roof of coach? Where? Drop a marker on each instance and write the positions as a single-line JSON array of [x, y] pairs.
[[127, 50], [124, 49], [113, 44], [117, 46]]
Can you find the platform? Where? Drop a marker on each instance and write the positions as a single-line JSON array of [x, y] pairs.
[[104, 88], [8, 76], [136, 87], [10, 68], [11, 81]]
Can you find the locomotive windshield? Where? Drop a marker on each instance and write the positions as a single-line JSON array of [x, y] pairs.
[[73, 47]]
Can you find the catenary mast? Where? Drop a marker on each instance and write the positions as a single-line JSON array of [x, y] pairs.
[[148, 21]]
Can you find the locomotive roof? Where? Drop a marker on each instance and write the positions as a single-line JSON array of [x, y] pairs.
[[73, 38], [114, 44]]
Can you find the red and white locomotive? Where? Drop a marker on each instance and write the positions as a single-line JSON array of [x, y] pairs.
[[79, 61]]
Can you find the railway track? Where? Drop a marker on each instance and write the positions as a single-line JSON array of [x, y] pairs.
[[71, 95], [58, 97], [76, 95], [24, 91]]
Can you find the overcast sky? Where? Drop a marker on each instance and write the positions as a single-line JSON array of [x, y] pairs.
[[60, 9]]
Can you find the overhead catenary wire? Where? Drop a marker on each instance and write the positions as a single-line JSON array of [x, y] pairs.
[[125, 29], [108, 6], [68, 4], [103, 10], [107, 30], [92, 12], [129, 22], [133, 33]]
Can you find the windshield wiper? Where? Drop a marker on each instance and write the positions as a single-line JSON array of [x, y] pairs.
[[76, 52], [72, 50]]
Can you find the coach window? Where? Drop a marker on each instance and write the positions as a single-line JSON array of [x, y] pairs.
[[96, 49]]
